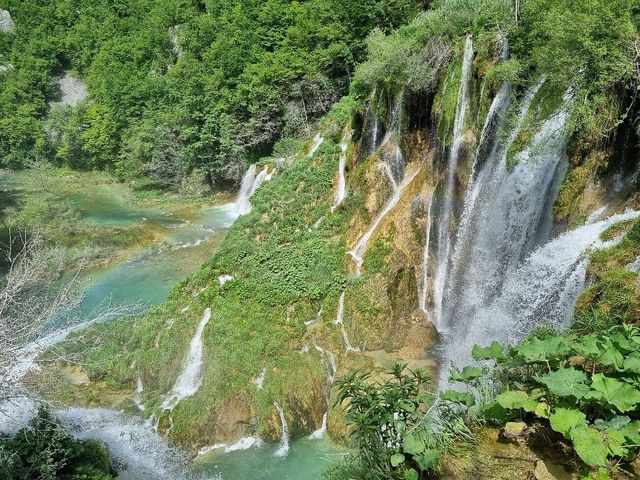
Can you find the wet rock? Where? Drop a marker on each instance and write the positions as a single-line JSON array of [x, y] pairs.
[[514, 431], [546, 470], [421, 336]]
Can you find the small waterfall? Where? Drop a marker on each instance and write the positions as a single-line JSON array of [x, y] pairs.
[[261, 378], [250, 183], [340, 323], [322, 431], [341, 191], [424, 283], [137, 399], [358, 252], [446, 216], [374, 123], [190, 378], [393, 161], [317, 141], [283, 449]]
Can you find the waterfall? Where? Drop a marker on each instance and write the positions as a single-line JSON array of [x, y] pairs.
[[190, 378], [544, 287], [446, 216], [322, 431], [424, 284], [261, 378], [342, 184], [340, 323], [392, 159], [137, 399], [357, 253], [283, 449], [317, 141], [250, 183]]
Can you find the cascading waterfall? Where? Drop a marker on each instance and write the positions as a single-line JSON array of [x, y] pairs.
[[283, 449], [544, 287], [446, 215], [190, 378], [317, 141], [511, 216], [340, 323], [322, 431], [357, 253], [250, 183], [341, 191], [424, 283]]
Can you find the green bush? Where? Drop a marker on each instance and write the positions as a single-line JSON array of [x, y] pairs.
[[46, 451]]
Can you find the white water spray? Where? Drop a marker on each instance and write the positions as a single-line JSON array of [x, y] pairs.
[[250, 183], [322, 431], [341, 191], [283, 449], [317, 141], [190, 378], [340, 323]]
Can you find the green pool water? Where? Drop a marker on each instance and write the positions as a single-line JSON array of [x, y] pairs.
[[306, 460]]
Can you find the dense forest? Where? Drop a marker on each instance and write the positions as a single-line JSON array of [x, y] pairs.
[[177, 88]]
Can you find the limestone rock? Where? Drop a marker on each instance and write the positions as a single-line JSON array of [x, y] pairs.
[[546, 470], [421, 336], [514, 430]]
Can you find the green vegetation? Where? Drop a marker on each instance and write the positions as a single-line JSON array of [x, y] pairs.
[[46, 451], [588, 47], [177, 88], [284, 272], [390, 426]]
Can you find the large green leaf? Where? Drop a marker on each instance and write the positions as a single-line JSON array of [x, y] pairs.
[[536, 350], [515, 399], [565, 419], [411, 474], [413, 444], [615, 441], [587, 346], [468, 373], [495, 351], [611, 391], [427, 459], [590, 445], [396, 459], [610, 356], [454, 396], [632, 363], [631, 431], [566, 382]]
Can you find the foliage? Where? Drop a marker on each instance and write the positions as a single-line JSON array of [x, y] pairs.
[[218, 83], [46, 451], [391, 426], [585, 387]]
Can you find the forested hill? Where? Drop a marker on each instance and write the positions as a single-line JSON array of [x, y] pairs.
[[177, 87]]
